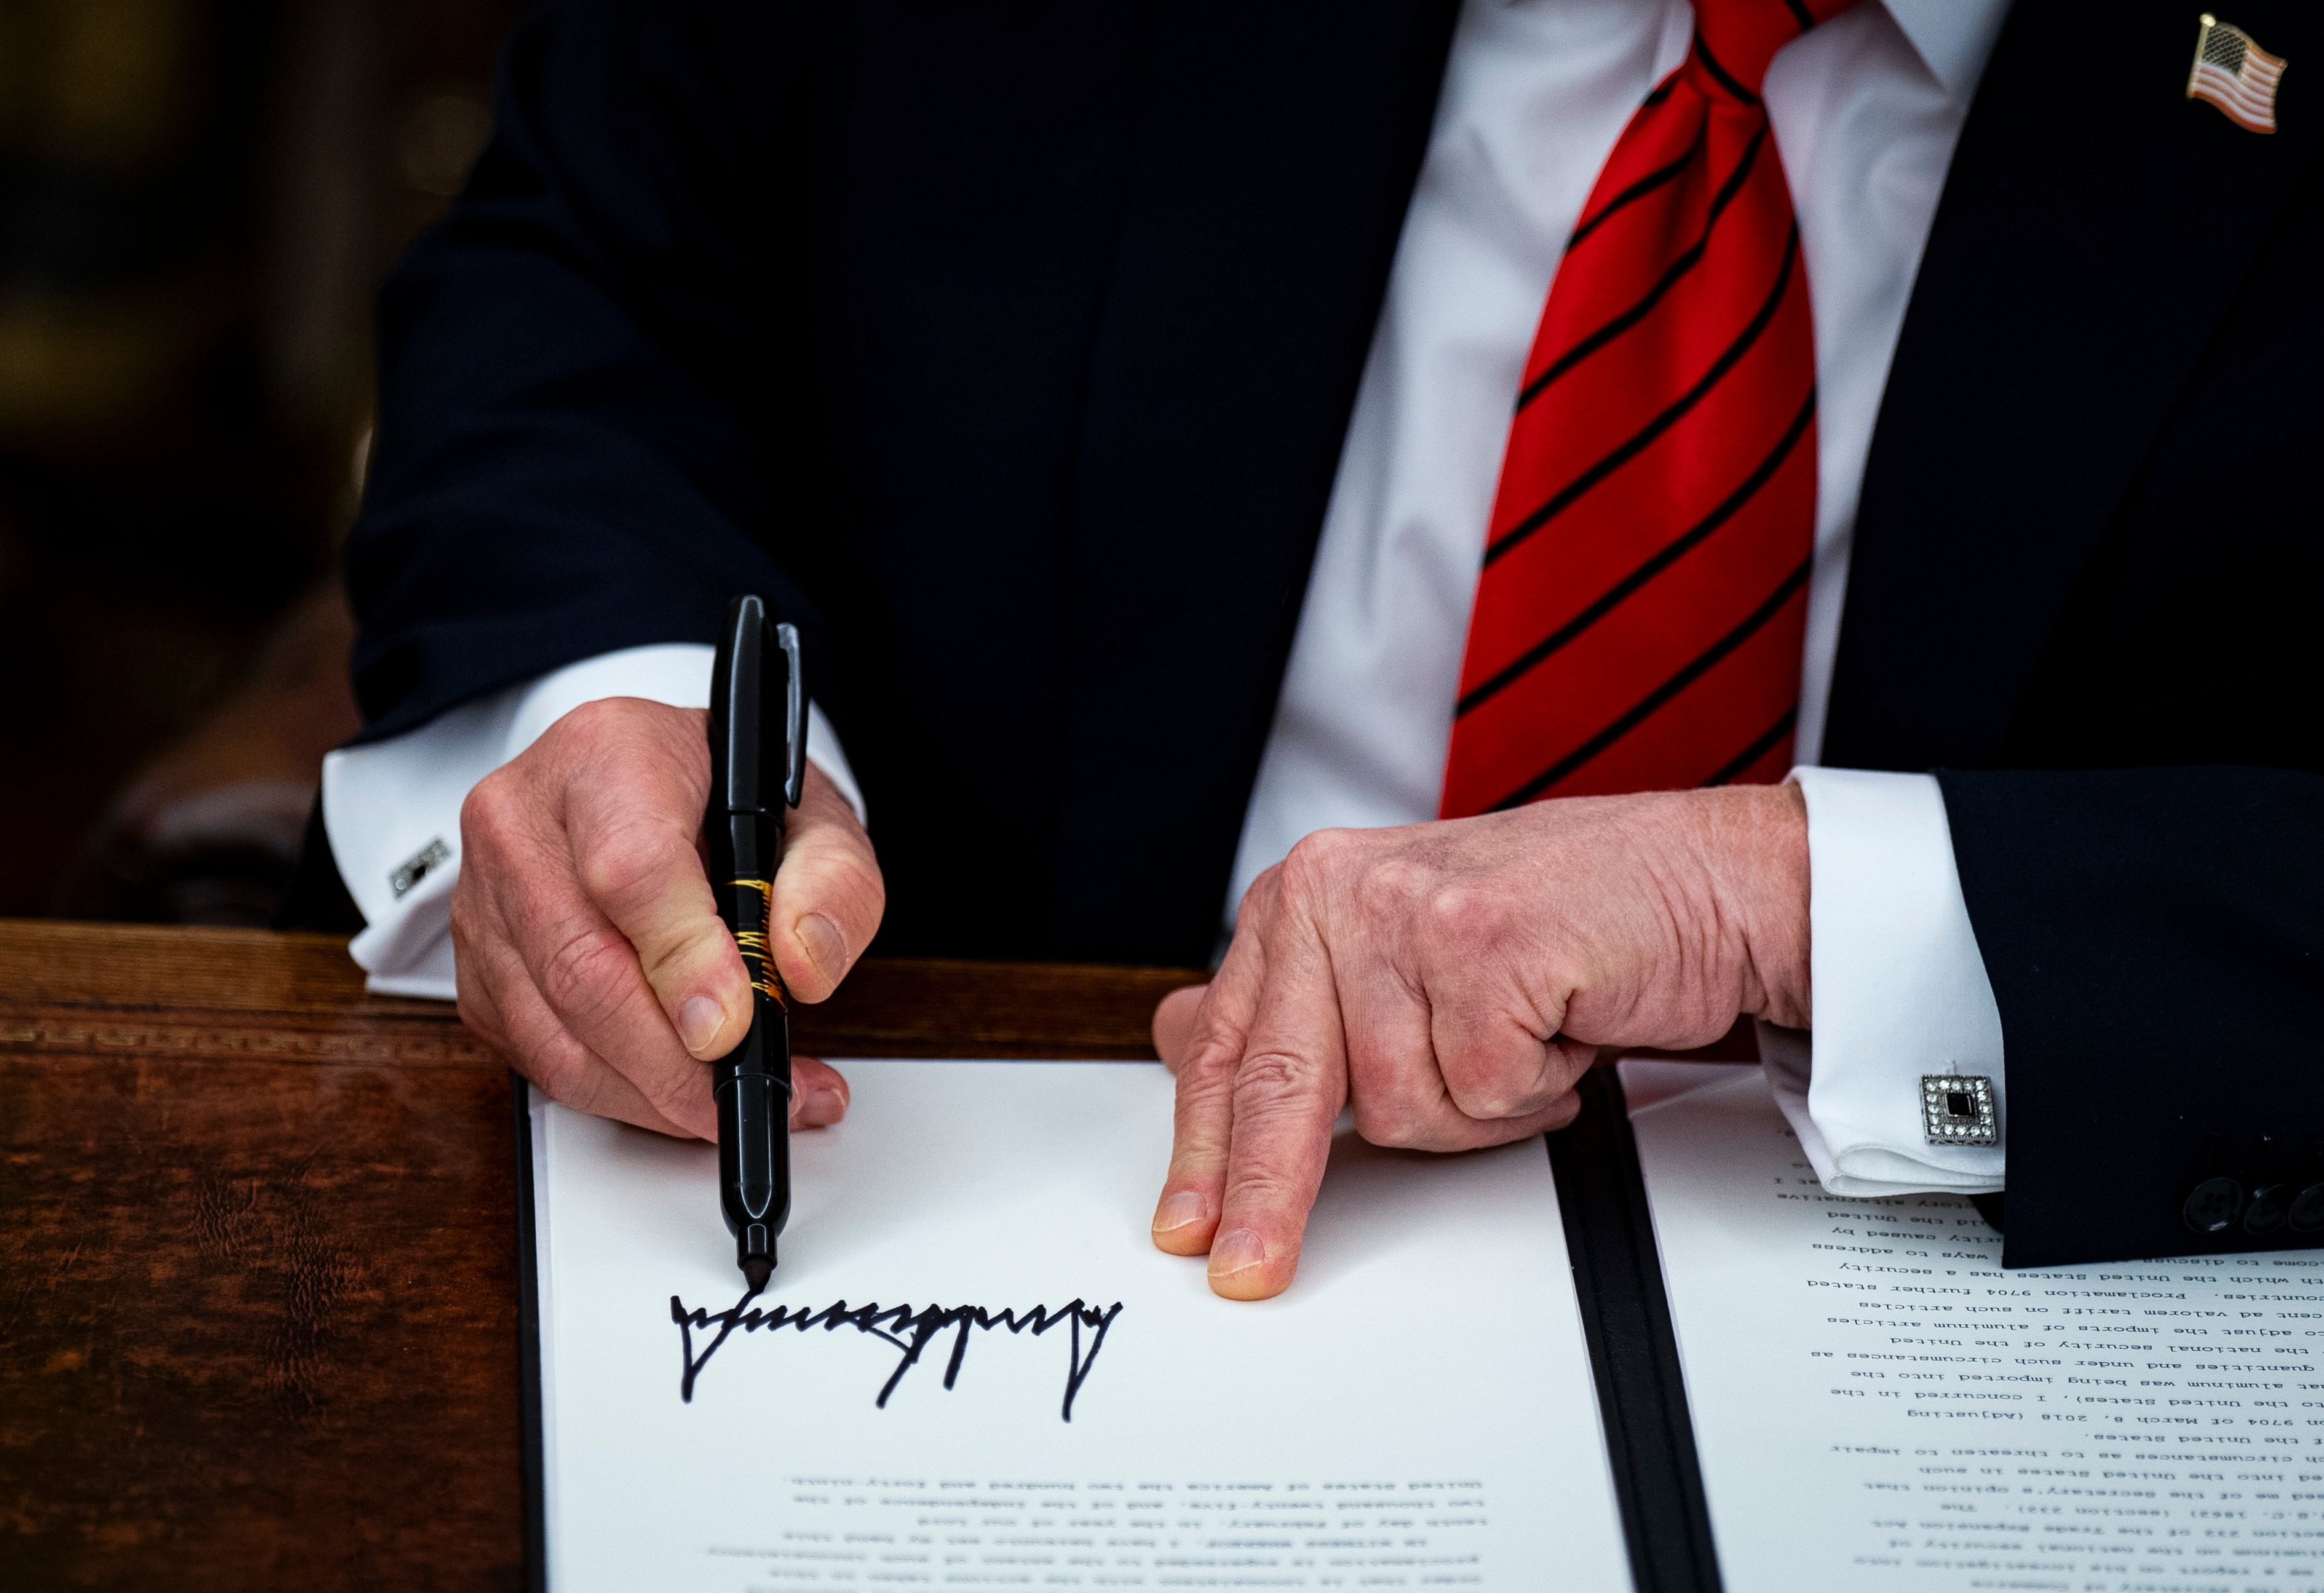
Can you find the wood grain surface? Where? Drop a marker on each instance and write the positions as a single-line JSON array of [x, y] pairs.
[[257, 1249]]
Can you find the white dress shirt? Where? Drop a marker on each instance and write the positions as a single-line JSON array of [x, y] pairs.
[[1865, 112]]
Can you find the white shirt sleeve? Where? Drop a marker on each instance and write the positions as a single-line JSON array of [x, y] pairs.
[[393, 808], [1899, 988]]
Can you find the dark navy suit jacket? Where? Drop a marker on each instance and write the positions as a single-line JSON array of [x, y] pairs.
[[1008, 347]]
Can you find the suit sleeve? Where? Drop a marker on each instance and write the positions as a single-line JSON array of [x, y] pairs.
[[586, 369], [2155, 942]]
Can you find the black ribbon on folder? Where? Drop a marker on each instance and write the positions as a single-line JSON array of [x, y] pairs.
[[528, 1346], [1618, 1275]]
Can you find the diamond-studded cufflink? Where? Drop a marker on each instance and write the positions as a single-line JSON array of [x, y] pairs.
[[1957, 1108]]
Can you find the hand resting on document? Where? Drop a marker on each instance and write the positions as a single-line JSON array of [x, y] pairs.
[[590, 951], [1452, 981]]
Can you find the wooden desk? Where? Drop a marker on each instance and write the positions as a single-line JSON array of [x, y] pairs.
[[257, 1249]]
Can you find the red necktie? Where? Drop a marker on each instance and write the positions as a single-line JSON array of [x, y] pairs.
[[1639, 618]]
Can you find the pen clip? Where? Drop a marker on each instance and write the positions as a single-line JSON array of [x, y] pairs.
[[793, 716]]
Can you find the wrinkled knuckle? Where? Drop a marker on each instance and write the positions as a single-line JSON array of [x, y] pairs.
[[1451, 907], [488, 811], [1212, 1056], [1257, 898], [702, 949], [1316, 861], [1263, 1187], [592, 723], [1268, 1078], [1500, 1101], [1463, 913], [1500, 1089], [584, 974], [1389, 887]]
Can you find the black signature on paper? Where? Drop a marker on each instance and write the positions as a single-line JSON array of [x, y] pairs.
[[909, 1331]]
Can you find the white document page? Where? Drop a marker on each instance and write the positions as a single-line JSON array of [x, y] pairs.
[[972, 1368], [1879, 1406]]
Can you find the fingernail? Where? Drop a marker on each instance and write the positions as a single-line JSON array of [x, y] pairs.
[[698, 1023], [826, 948], [822, 1109], [1234, 1252], [1180, 1209]]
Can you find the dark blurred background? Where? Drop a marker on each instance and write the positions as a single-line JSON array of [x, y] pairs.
[[197, 200]]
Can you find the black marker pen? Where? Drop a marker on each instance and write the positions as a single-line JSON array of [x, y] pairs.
[[745, 824]]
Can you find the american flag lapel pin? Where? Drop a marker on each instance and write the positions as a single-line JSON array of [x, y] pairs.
[[2236, 74]]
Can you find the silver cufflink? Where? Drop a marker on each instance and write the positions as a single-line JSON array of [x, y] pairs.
[[1957, 1108], [412, 870]]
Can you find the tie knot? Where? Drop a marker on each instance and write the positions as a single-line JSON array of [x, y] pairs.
[[1734, 40]]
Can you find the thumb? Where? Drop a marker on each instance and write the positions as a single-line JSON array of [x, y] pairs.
[[828, 893]]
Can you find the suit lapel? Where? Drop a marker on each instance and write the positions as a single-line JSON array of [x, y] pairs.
[[2094, 226]]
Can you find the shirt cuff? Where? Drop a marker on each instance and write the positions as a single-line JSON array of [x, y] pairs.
[[1900, 992], [393, 808]]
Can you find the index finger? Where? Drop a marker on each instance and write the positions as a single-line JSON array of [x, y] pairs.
[[1288, 1091], [642, 872], [1187, 1215], [587, 972]]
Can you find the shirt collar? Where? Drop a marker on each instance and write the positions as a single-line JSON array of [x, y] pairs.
[[1953, 37]]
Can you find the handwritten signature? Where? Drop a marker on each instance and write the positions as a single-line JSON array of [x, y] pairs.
[[909, 1331]]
